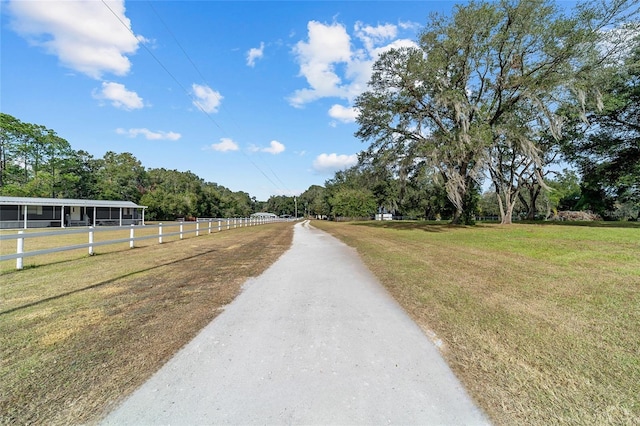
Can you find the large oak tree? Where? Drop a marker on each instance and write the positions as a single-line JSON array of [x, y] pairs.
[[483, 88]]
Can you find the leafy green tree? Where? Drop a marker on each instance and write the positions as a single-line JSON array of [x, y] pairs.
[[10, 129], [605, 143], [488, 205], [31, 157], [563, 192], [120, 177], [353, 203], [481, 89], [314, 201], [78, 176], [425, 197], [182, 193], [281, 205]]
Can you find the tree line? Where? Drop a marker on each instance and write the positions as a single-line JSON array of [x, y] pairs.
[[36, 162], [539, 108]]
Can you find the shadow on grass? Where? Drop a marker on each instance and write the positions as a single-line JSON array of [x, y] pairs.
[[96, 285], [583, 223], [433, 226], [400, 225], [74, 259]]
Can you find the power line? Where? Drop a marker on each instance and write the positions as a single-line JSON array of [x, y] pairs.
[[195, 101], [204, 80]]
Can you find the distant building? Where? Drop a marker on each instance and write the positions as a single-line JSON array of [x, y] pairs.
[[265, 215], [27, 212]]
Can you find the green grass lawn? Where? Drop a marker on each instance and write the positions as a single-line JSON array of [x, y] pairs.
[[541, 322]]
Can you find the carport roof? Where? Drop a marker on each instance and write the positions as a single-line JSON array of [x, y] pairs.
[[32, 201]]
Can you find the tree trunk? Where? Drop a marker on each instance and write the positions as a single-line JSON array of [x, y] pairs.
[[506, 212], [534, 192], [457, 218], [506, 218]]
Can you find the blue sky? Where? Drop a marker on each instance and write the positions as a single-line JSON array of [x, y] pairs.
[[255, 96]]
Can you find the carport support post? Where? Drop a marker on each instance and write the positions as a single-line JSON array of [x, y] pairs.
[[91, 241], [131, 236], [160, 233], [20, 250]]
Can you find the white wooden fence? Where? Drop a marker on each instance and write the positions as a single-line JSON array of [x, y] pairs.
[[207, 225]]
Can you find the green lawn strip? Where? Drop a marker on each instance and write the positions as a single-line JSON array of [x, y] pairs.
[[541, 323]]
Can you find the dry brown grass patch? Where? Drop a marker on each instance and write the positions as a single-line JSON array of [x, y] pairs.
[[540, 322], [77, 336]]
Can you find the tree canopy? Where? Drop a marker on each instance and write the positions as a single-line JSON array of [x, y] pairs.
[[481, 92], [36, 162], [605, 144]]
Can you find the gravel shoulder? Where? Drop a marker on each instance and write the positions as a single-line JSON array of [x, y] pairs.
[[315, 339]]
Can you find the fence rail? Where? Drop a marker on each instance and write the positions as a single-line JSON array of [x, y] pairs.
[[208, 225]]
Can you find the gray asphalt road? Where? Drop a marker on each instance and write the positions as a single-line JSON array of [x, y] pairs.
[[314, 340]]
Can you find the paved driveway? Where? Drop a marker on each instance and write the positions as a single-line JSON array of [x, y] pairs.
[[313, 340]]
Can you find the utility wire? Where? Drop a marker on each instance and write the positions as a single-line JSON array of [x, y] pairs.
[[195, 101], [204, 80]]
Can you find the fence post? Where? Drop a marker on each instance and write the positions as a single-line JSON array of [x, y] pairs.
[[20, 250], [197, 228], [180, 231], [91, 241], [131, 236], [160, 233], [235, 222], [228, 223], [219, 225], [209, 226]]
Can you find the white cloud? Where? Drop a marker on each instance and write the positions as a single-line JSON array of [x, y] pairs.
[[255, 53], [327, 46], [84, 35], [150, 135], [119, 96], [275, 147], [330, 163], [372, 36], [333, 66], [225, 145], [409, 25], [207, 99], [344, 114]]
